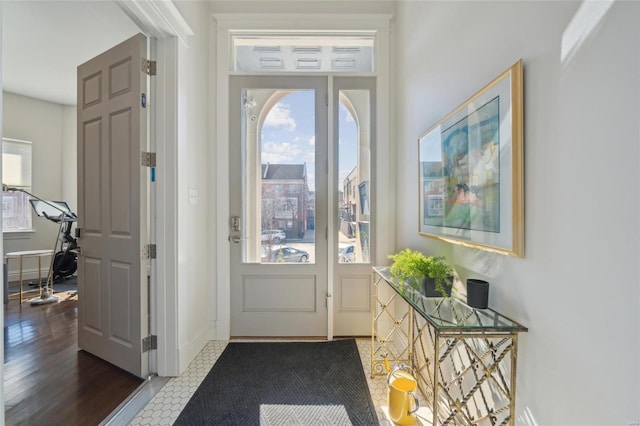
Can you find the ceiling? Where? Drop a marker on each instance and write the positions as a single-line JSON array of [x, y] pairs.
[[43, 42]]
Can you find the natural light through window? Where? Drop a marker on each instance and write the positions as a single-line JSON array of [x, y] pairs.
[[354, 177], [273, 414], [281, 124], [582, 25], [303, 53], [16, 173], [280, 178]]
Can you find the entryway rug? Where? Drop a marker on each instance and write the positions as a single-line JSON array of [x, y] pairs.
[[283, 383]]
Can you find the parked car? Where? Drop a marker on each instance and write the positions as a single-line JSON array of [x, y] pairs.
[[286, 254], [347, 254], [275, 236]]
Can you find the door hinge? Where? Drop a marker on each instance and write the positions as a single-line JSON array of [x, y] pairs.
[[78, 232], [149, 67], [149, 342], [149, 251], [148, 159]]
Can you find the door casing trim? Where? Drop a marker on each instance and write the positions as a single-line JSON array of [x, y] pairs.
[[163, 21], [226, 24]]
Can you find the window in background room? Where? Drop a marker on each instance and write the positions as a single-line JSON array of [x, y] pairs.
[[16, 173]]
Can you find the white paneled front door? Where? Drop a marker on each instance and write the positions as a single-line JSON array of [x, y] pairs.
[[278, 198], [284, 189]]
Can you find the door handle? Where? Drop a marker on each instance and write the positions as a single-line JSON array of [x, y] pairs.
[[236, 238]]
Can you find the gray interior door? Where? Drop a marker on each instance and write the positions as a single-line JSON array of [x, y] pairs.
[[112, 206]]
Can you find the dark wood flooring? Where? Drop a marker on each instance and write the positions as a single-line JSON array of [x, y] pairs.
[[47, 379]]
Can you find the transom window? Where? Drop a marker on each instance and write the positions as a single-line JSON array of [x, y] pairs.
[[308, 53]]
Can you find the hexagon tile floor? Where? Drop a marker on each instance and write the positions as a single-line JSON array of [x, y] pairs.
[[165, 407]]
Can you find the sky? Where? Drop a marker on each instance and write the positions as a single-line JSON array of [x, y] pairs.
[[288, 135]]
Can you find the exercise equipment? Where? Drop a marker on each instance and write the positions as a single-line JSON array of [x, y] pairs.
[[58, 212], [65, 260]]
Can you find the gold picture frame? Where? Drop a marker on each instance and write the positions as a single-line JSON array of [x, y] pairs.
[[471, 183]]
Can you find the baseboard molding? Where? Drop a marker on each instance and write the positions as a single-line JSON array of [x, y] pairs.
[[222, 330], [188, 352], [28, 274]]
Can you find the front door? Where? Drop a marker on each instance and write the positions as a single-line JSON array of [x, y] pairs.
[[112, 206], [278, 199]]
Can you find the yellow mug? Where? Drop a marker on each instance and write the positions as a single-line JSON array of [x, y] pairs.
[[402, 399]]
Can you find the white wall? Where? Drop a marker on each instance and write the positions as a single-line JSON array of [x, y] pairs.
[[70, 156], [41, 123], [577, 288], [196, 285]]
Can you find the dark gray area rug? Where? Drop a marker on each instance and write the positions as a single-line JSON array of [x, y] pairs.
[[283, 383]]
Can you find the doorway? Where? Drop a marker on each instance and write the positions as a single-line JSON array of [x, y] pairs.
[[301, 230], [296, 48], [168, 26]]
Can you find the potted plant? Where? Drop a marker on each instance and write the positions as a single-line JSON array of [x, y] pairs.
[[433, 274]]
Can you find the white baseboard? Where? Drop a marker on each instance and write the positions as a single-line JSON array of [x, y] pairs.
[[188, 352], [223, 330], [28, 274]]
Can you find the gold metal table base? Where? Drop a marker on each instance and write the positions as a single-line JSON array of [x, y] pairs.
[[466, 374], [471, 381], [390, 330]]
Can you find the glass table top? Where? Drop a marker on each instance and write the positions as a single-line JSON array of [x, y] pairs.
[[449, 313]]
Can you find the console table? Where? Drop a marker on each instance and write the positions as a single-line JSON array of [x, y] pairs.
[[21, 255], [464, 359]]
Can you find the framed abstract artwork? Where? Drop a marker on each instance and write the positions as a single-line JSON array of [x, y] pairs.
[[471, 184]]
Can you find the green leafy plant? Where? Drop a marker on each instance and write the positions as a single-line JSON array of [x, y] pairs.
[[413, 267]]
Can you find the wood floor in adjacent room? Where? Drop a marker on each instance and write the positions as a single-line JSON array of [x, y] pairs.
[[47, 379]]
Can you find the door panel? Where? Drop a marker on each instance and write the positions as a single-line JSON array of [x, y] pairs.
[[92, 274], [121, 132], [92, 159], [112, 206], [354, 294], [278, 259], [299, 293]]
